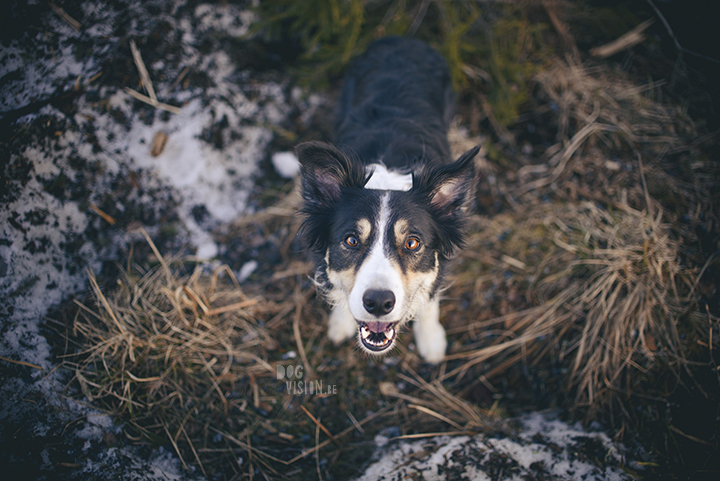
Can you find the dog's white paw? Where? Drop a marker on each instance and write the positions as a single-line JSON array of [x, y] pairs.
[[430, 340], [429, 333], [341, 325]]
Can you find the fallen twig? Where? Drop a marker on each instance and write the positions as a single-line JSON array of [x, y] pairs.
[[624, 42], [109, 219], [155, 103], [144, 75], [432, 435], [151, 98], [64, 15], [435, 415], [22, 363], [231, 307], [319, 424]]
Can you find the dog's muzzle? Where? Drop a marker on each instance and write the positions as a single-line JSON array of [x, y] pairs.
[[377, 336]]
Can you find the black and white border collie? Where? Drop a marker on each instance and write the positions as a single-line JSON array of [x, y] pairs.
[[385, 209]]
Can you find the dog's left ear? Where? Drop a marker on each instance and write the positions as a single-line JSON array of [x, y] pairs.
[[448, 190], [325, 170], [449, 187], [456, 183]]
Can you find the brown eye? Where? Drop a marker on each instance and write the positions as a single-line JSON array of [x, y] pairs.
[[412, 244], [351, 241]]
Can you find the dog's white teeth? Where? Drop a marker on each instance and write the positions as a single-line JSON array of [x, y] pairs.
[[377, 339], [364, 332]]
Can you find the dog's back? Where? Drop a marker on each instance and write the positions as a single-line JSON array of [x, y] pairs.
[[396, 105]]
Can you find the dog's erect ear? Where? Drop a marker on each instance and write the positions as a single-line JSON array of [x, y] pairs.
[[325, 170], [449, 187], [456, 184], [448, 190]]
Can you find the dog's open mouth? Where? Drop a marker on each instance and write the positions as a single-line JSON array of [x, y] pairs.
[[377, 336]]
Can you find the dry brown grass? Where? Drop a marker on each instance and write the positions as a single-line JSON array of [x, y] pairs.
[[586, 95], [630, 304], [605, 123], [606, 289], [599, 275], [166, 351], [188, 358]]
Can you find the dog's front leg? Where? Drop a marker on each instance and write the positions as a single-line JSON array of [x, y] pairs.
[[341, 325], [429, 333]]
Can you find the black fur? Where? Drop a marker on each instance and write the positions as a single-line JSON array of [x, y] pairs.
[[396, 105]]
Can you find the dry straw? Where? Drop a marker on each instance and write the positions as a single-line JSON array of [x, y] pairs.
[[187, 358], [604, 279], [165, 350], [616, 295], [604, 124]]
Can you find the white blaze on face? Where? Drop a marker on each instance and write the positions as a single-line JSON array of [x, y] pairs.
[[380, 273]]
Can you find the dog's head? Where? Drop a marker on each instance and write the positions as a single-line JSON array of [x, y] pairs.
[[381, 251]]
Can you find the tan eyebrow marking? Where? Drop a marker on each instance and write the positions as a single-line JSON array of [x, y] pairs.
[[364, 227], [401, 229]]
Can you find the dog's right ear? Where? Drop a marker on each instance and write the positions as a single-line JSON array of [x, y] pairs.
[[325, 170]]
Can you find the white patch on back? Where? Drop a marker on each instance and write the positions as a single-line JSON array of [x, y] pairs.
[[383, 179]]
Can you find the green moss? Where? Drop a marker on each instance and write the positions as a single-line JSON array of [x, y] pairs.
[[516, 53], [329, 31], [495, 154], [332, 32], [456, 46]]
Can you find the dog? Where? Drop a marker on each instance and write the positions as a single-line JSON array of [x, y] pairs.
[[385, 207]]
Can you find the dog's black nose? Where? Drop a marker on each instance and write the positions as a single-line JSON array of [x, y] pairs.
[[377, 302]]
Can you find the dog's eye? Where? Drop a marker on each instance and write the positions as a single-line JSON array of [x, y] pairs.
[[351, 241], [412, 243]]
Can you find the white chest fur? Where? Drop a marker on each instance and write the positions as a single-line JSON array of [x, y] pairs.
[[383, 179]]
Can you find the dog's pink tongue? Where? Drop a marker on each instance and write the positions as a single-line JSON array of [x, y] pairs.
[[375, 326]]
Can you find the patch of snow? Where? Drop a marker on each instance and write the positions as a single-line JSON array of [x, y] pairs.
[[227, 18], [99, 155], [89, 432], [286, 164], [545, 447], [114, 463], [246, 269], [47, 71], [381, 440]]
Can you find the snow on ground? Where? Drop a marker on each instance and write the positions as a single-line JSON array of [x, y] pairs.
[[286, 164], [546, 448], [80, 145], [49, 210]]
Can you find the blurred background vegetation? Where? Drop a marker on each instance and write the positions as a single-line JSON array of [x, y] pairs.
[[501, 56]]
